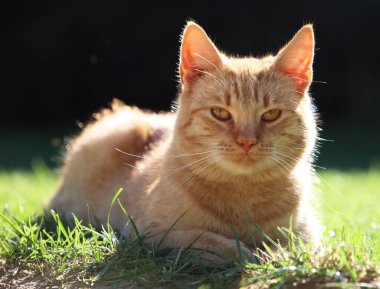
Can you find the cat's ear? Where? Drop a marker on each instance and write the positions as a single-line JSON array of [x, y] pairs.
[[296, 58], [198, 53]]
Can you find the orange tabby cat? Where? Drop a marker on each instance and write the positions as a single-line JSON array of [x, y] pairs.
[[236, 152]]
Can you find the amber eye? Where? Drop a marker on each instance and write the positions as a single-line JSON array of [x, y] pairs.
[[220, 113], [271, 115]]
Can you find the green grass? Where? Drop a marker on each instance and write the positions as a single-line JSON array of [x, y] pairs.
[[347, 202]]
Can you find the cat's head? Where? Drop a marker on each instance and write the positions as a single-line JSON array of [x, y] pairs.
[[244, 116]]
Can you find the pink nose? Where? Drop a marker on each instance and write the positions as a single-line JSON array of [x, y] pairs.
[[247, 143]]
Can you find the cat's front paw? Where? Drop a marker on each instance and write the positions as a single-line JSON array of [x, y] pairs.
[[240, 251], [229, 250]]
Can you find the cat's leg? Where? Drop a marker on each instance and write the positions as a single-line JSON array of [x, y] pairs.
[[210, 246]]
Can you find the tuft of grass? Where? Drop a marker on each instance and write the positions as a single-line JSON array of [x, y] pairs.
[[349, 252]]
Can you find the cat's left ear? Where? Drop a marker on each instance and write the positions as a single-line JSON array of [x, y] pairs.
[[296, 58], [198, 53]]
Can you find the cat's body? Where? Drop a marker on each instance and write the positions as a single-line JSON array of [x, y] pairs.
[[236, 153]]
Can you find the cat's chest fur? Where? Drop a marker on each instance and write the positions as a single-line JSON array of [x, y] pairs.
[[244, 203]]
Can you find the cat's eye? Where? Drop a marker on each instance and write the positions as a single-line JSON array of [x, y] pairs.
[[271, 115], [220, 113]]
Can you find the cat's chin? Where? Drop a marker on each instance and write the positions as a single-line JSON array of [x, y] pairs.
[[242, 165]]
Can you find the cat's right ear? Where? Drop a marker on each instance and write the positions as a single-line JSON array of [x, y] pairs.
[[198, 53]]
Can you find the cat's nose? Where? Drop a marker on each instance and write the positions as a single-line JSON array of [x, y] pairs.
[[247, 143]]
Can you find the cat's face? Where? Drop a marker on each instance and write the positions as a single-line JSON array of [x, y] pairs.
[[245, 115]]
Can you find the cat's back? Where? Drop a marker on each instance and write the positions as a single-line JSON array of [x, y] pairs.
[[104, 156]]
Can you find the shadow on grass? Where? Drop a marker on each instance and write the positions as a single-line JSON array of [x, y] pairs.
[[75, 252]]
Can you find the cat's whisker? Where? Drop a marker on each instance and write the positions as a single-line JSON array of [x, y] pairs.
[[135, 167], [129, 154], [277, 165], [176, 170], [285, 164], [289, 148], [277, 153], [184, 179], [288, 167], [169, 156], [202, 169], [197, 142], [198, 170], [288, 156], [191, 154], [293, 159], [292, 139]]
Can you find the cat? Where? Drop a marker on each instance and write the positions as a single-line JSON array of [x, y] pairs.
[[236, 153]]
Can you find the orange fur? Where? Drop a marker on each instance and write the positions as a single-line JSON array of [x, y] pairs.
[[190, 163]]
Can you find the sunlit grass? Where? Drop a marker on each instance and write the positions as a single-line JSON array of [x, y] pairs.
[[347, 204], [23, 192], [351, 199]]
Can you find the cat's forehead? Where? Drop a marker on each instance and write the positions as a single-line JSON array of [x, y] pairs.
[[242, 83], [248, 72], [249, 80], [247, 65]]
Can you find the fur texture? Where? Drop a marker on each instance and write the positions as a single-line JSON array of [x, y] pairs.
[[237, 151]]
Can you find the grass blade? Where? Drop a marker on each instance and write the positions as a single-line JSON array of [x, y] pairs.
[[238, 245], [168, 231], [131, 220], [110, 208]]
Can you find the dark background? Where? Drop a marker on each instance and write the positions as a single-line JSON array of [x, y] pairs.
[[63, 60]]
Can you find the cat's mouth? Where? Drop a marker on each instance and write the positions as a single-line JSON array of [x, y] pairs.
[[245, 160], [242, 164]]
